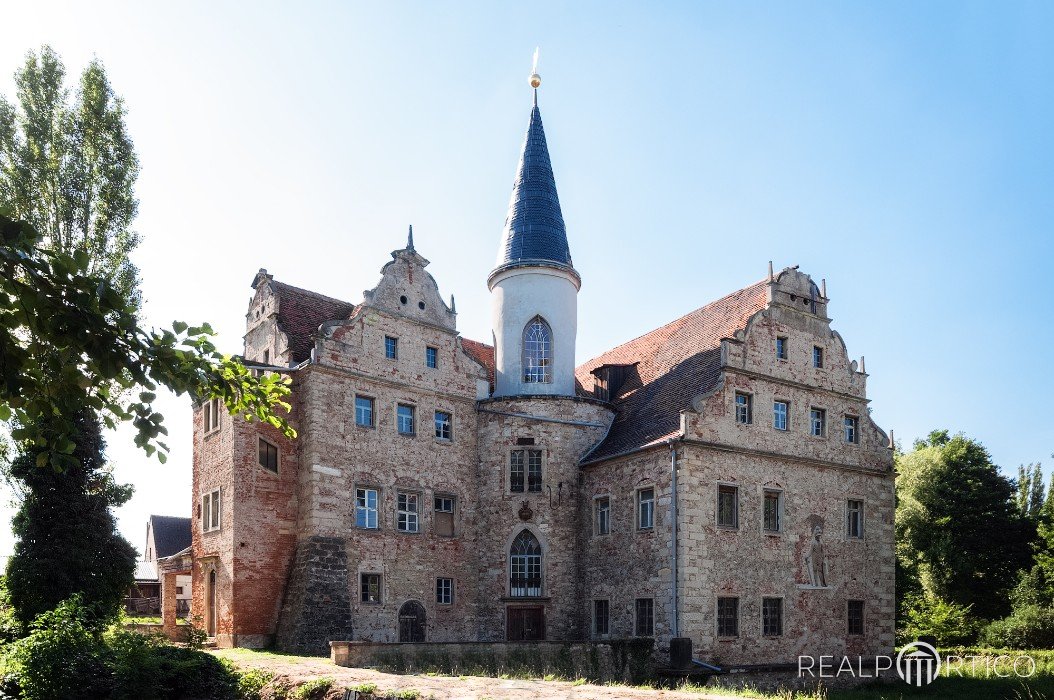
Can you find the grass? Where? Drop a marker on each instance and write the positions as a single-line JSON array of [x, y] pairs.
[[151, 620]]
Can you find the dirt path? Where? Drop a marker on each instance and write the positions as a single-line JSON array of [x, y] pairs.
[[303, 668]]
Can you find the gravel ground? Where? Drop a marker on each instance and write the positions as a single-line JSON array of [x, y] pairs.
[[303, 668]]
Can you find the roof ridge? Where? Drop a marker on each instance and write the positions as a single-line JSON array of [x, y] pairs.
[[313, 293], [674, 321]]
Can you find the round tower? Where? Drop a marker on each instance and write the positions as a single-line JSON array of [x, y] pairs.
[[534, 287]]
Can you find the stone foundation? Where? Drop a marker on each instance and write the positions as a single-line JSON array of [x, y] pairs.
[[317, 606]]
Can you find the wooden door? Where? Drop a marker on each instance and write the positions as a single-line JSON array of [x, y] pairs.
[[412, 622], [526, 624]]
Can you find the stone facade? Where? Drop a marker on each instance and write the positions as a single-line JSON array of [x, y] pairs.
[[747, 496]]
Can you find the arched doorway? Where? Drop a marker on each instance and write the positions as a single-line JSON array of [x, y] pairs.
[[412, 622], [210, 604]]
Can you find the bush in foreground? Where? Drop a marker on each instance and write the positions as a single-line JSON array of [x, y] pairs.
[[1028, 627]]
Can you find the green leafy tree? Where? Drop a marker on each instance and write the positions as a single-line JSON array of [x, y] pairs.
[[927, 614], [68, 166], [1030, 497], [67, 535], [959, 530]]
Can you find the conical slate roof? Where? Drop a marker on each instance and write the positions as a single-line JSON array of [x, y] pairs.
[[534, 229]]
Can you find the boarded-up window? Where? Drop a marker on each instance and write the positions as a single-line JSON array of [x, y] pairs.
[[444, 516]]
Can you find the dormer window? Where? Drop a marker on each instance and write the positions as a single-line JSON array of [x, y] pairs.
[[537, 352]]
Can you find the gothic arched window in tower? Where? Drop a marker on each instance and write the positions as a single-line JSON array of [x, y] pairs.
[[525, 570], [537, 352]]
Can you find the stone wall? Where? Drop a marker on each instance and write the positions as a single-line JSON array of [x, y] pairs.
[[624, 660], [317, 608]]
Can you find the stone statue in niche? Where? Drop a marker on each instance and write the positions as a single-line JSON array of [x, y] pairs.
[[815, 563]]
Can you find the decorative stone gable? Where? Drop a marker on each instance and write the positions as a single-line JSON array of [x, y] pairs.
[[407, 290]]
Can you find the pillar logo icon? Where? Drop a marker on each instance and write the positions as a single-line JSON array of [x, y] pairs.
[[918, 663]]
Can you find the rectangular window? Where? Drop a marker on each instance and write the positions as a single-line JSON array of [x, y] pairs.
[[854, 519], [445, 591], [444, 516], [525, 463], [744, 409], [602, 521], [817, 356], [267, 357], [645, 509], [364, 411], [772, 510], [728, 617], [817, 422], [780, 411], [772, 617], [210, 415], [444, 421], [781, 348], [727, 506], [391, 347], [855, 617], [851, 425], [431, 357], [370, 588], [645, 622], [366, 508], [210, 511], [268, 457], [406, 513], [404, 419], [601, 616]]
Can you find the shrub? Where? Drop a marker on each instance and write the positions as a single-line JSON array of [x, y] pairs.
[[61, 656], [927, 614], [314, 689], [149, 667], [1028, 627], [252, 682]]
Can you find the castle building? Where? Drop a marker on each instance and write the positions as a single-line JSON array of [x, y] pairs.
[[719, 478]]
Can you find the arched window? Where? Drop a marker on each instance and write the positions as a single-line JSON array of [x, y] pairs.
[[525, 571], [537, 352]]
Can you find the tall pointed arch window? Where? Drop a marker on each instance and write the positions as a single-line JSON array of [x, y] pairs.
[[525, 570], [537, 352]]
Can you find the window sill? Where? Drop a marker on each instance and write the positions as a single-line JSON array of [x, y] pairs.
[[408, 435], [360, 528], [444, 441], [408, 532], [727, 528], [365, 427], [525, 599], [772, 533]]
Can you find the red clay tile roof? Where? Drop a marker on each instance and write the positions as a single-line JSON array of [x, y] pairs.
[[481, 353], [675, 363], [301, 312]]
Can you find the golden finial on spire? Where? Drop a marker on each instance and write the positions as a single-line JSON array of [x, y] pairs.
[[535, 80]]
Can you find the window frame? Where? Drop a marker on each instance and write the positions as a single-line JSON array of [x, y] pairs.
[[765, 493], [849, 511], [817, 357], [542, 373], [606, 510], [650, 606], [735, 618], [814, 413], [765, 631], [212, 514], [529, 561], [431, 357], [391, 347], [372, 408], [363, 587], [849, 627], [414, 516], [277, 455], [782, 352], [851, 421], [449, 425], [436, 511], [526, 484], [366, 509], [724, 487], [748, 406], [449, 592], [640, 501], [210, 416], [595, 632], [776, 403], [399, 419]]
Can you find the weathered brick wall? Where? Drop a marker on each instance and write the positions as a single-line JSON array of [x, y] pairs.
[[337, 456], [564, 429]]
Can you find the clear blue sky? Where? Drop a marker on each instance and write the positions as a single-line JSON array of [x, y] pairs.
[[902, 151]]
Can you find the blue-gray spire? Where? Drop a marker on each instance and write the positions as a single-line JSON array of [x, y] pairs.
[[534, 229]]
